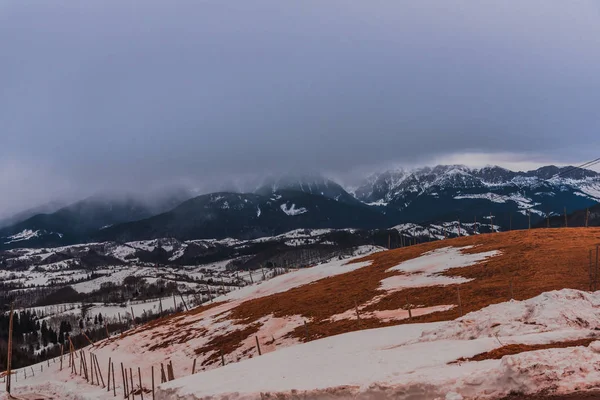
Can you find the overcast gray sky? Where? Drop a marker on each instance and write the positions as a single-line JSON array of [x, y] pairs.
[[116, 94]]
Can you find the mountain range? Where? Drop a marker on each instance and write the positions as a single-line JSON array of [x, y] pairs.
[[424, 196]]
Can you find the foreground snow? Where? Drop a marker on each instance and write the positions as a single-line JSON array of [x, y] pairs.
[[413, 360], [407, 361]]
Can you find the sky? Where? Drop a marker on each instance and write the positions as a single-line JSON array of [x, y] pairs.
[[118, 95]]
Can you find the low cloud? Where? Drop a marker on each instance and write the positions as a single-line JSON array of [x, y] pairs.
[[131, 96]]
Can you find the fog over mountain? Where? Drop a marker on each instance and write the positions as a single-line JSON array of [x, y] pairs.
[[114, 96]]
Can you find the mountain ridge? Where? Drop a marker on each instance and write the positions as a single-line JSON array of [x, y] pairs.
[[424, 196]]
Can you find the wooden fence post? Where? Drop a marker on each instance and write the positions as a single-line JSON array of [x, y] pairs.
[[132, 389], [566, 224], [108, 378], [88, 339], [9, 350], [98, 371], [163, 377], [92, 368], [81, 363], [140, 380], [73, 356], [124, 382], [306, 330], [590, 273], [153, 379], [357, 314], [113, 379], [222, 358], [183, 301], [171, 371], [596, 273], [257, 346], [194, 367]]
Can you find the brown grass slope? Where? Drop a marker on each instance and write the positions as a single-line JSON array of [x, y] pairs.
[[535, 261]]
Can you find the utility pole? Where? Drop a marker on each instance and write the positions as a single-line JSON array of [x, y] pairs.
[[587, 216], [458, 227], [566, 224], [529, 218]]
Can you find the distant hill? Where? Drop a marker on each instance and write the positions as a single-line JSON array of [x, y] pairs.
[[243, 216], [77, 222], [46, 208]]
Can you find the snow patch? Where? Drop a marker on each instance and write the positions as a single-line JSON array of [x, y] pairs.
[[25, 234], [292, 210]]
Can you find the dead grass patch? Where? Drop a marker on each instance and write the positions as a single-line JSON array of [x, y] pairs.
[[535, 261], [226, 343], [511, 349]]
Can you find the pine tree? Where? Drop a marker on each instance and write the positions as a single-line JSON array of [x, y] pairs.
[[44, 333]]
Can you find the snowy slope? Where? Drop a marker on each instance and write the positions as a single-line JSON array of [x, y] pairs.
[[424, 360], [407, 360], [411, 359]]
